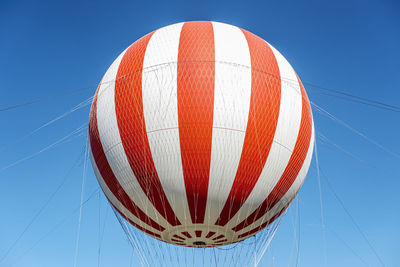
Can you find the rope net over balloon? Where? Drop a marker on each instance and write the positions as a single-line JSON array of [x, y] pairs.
[[201, 148]]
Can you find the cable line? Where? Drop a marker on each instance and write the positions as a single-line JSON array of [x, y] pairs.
[[370, 101], [298, 237], [352, 250], [101, 235], [329, 144], [329, 115], [57, 226], [75, 108], [85, 163], [59, 141], [349, 247], [355, 100], [38, 100], [320, 203], [352, 218], [333, 93], [45, 204]]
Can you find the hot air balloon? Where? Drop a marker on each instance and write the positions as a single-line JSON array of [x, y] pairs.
[[201, 134]]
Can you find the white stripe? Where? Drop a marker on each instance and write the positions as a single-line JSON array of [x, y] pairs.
[[113, 148], [115, 201], [290, 194], [160, 109], [231, 109], [284, 141]]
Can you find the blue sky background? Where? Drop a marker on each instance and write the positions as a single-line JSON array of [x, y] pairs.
[[48, 47]]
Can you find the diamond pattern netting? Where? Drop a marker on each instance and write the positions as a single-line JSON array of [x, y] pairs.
[[193, 75]]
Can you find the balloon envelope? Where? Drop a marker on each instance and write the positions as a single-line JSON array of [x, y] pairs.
[[201, 134]]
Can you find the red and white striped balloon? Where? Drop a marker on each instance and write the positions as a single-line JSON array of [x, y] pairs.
[[201, 134]]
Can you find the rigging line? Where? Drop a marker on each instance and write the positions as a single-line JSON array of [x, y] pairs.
[[345, 96], [270, 237], [355, 100], [215, 257], [352, 96], [320, 203], [329, 229], [294, 234], [255, 251], [298, 235], [68, 92], [349, 247], [45, 204], [54, 96], [102, 233], [64, 93], [366, 163], [131, 237], [329, 115], [98, 232], [131, 258], [325, 139], [75, 108], [59, 141], [56, 226], [337, 236], [82, 199], [352, 219]]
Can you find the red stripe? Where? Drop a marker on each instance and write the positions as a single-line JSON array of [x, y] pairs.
[[177, 236], [107, 173], [261, 125], [292, 169], [186, 234], [196, 69], [132, 128], [218, 237], [210, 234]]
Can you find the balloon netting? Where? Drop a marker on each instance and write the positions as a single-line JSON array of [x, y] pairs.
[[152, 252]]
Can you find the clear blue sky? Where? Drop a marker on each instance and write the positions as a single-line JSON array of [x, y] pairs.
[[48, 47]]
